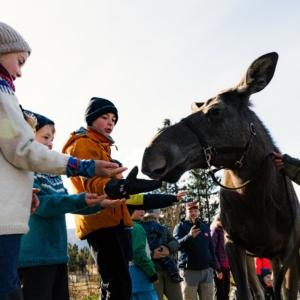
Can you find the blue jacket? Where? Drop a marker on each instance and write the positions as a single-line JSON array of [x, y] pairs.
[[194, 253]]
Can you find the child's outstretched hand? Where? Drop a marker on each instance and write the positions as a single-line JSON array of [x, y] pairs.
[[112, 203], [107, 169], [35, 202], [180, 195], [94, 199]]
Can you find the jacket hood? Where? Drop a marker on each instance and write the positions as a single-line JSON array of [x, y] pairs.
[[89, 132]]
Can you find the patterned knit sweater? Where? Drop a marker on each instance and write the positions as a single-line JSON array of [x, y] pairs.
[[46, 243]]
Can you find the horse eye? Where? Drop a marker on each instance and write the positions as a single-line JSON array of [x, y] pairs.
[[216, 111]]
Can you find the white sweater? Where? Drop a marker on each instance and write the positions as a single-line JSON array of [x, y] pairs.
[[20, 155]]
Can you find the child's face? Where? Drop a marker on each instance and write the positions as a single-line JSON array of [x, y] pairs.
[[138, 215], [105, 123], [268, 279], [13, 62], [45, 136]]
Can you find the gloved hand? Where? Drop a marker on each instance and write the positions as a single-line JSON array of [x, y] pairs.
[[122, 188]]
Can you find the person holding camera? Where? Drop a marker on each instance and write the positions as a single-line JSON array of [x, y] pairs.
[[196, 257]]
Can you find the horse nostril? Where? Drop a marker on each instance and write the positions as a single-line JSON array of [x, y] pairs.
[[160, 171]]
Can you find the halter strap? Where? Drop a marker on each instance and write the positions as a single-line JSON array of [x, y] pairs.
[[210, 151]]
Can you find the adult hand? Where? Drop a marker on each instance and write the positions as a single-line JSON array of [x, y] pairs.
[[220, 275], [194, 231], [106, 169], [122, 188], [35, 202], [180, 195], [112, 203], [157, 281], [277, 160], [160, 252], [94, 199]]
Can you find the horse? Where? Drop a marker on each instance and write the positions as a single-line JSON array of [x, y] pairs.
[[224, 133]]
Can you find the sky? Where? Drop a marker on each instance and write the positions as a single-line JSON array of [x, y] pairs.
[[152, 59]]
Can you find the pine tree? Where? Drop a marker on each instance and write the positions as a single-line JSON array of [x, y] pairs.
[[203, 190], [73, 253]]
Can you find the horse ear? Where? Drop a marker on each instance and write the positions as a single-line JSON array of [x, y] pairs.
[[259, 74], [196, 105]]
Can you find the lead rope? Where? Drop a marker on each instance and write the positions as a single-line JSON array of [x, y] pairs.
[[211, 173]]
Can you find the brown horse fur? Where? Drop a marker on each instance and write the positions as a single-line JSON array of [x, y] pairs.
[[257, 217]]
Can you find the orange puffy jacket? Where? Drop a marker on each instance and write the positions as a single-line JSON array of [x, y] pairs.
[[88, 143]]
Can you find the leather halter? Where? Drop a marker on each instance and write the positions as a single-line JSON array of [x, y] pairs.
[[210, 151]]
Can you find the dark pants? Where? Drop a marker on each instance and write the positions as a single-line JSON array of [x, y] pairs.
[[222, 286], [48, 282], [106, 245], [9, 279]]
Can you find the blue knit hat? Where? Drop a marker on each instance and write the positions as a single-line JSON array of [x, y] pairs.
[[41, 120], [264, 272], [98, 107]]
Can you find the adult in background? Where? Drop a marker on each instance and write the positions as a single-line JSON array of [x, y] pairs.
[[170, 245], [196, 259], [222, 276]]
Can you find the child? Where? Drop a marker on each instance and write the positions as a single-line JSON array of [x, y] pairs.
[[154, 232], [94, 141], [141, 269], [43, 255], [21, 154], [266, 281]]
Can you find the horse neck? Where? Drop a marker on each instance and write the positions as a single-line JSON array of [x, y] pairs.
[[257, 159]]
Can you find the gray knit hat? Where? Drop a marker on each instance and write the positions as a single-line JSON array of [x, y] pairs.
[[11, 40]]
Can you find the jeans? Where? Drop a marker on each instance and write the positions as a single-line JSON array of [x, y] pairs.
[[9, 279]]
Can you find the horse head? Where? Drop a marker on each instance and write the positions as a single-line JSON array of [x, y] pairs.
[[218, 133]]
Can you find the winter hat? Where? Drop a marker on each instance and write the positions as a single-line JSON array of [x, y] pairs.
[[264, 272], [98, 107], [190, 205], [41, 120], [11, 40]]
